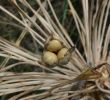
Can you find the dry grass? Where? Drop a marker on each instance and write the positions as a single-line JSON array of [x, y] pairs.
[[85, 76]]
